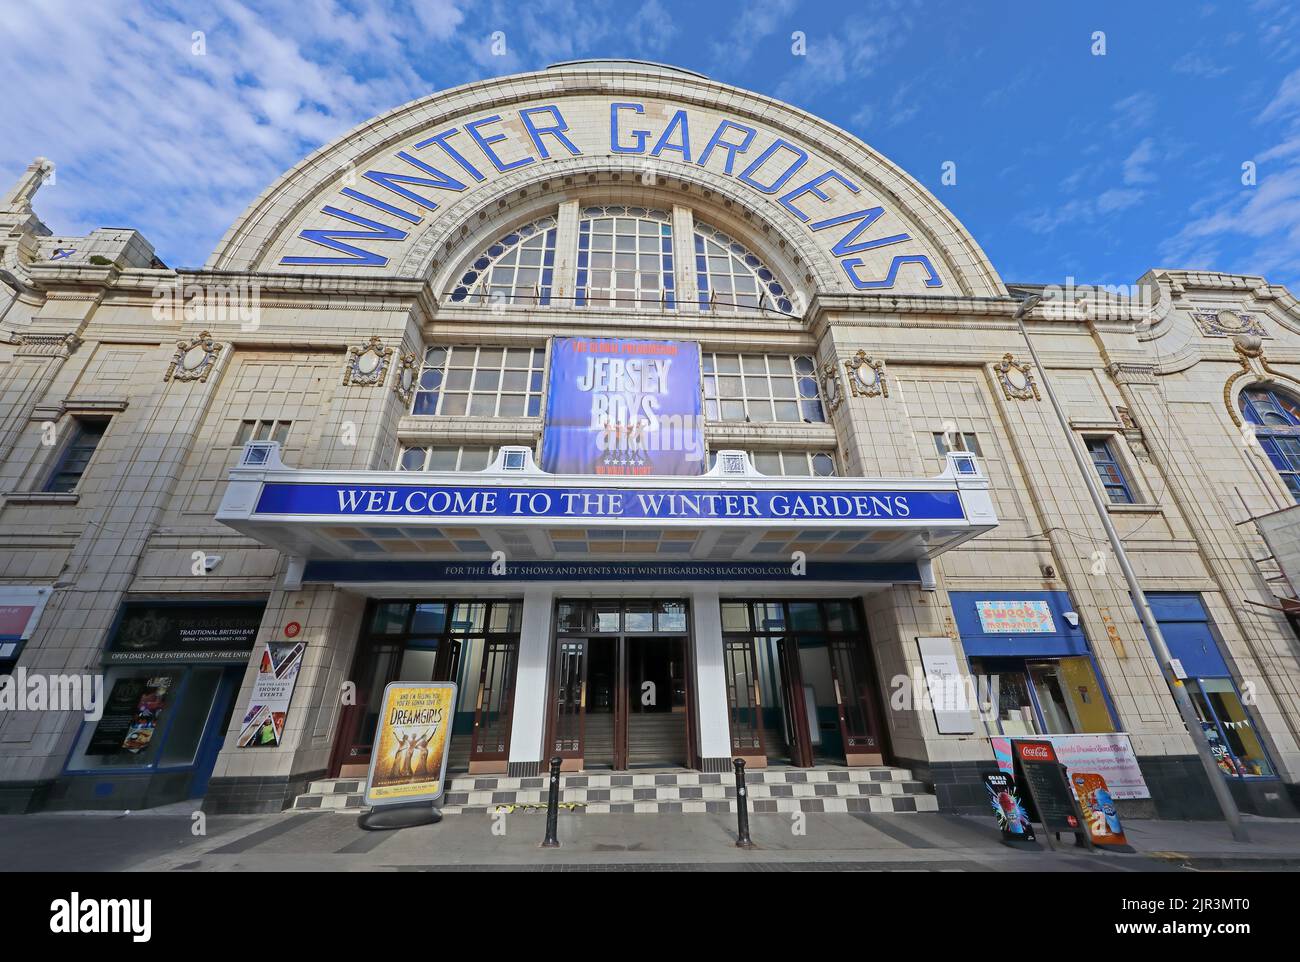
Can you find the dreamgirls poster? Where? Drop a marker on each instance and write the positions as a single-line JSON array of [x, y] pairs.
[[411, 741]]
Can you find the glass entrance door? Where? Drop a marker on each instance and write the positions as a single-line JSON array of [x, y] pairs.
[[621, 692], [472, 643], [801, 685]]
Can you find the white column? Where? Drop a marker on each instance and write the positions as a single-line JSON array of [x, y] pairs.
[[710, 680], [528, 724]]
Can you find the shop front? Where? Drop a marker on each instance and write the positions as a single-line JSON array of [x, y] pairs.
[[172, 670], [1227, 722], [1032, 663]]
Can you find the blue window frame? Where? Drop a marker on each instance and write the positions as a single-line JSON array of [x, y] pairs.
[[518, 268], [76, 454], [731, 278], [1109, 470], [1276, 416]]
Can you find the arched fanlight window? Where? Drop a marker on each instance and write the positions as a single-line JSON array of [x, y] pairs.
[[731, 278], [1276, 416], [625, 258], [519, 268]]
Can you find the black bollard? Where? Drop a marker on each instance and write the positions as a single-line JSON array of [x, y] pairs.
[[742, 807], [552, 839]]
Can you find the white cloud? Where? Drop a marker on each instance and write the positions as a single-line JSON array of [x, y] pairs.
[[146, 134], [1118, 198], [1267, 215], [1135, 164]]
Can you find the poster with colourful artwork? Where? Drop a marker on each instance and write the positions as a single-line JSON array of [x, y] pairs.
[[409, 761], [1010, 812], [1015, 617], [623, 407]]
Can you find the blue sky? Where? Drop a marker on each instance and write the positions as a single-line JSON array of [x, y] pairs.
[[1067, 163]]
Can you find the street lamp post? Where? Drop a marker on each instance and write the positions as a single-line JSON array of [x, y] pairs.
[[1181, 697]]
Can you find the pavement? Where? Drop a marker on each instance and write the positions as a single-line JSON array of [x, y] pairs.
[[176, 838]]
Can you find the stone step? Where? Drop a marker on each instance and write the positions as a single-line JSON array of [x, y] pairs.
[[783, 776], [875, 789], [674, 793], [882, 804]]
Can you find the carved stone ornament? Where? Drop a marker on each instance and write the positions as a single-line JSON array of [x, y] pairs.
[[1224, 323], [832, 390], [866, 376], [1017, 379], [407, 371], [1255, 366], [194, 359], [367, 365]]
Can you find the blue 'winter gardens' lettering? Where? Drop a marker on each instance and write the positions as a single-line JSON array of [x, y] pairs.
[[422, 183]]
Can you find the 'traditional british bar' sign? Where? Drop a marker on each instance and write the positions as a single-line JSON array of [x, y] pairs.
[[436, 501]]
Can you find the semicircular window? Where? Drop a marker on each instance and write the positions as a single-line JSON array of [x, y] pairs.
[[1276, 416], [731, 278], [517, 268], [625, 258]]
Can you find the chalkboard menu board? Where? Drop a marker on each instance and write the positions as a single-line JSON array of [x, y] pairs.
[[1042, 778]]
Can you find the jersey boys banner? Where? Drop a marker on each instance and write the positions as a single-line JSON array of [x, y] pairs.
[[623, 407]]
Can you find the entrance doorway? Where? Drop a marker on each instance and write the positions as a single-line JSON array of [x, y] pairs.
[[620, 695], [473, 643], [801, 688]]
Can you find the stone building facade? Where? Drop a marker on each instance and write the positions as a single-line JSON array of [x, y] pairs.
[[385, 318]]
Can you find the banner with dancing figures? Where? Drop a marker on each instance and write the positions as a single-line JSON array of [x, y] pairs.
[[412, 739]]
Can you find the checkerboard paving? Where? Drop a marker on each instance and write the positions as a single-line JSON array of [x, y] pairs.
[[876, 789]]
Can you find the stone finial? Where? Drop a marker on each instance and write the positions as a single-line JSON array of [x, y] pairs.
[[20, 195]]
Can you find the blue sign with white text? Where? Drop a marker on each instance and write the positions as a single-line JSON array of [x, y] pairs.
[[438, 501], [623, 407]]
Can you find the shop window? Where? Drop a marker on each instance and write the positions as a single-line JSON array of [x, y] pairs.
[[945, 441], [1276, 416], [761, 387], [731, 278], [1228, 728], [503, 382], [430, 457], [260, 430], [797, 464], [625, 258], [1048, 696], [518, 268], [1102, 451], [84, 437]]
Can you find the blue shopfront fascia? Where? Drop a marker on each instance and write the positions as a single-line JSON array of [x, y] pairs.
[[1066, 639], [448, 525]]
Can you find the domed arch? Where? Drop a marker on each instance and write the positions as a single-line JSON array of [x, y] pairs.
[[380, 199]]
